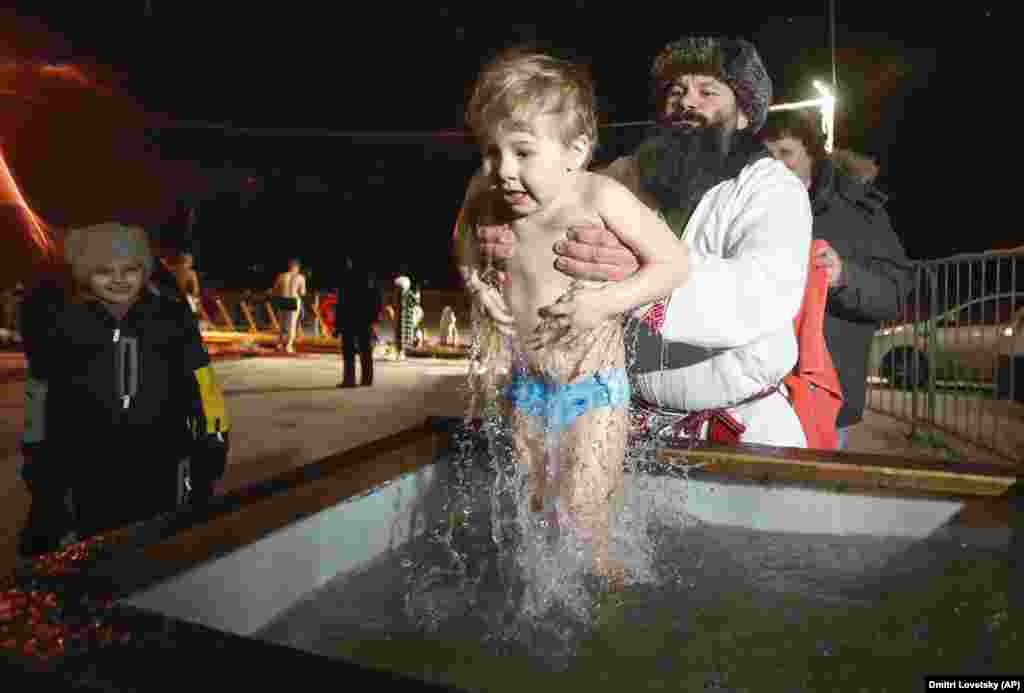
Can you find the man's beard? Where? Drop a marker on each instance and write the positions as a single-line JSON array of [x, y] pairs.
[[679, 163]]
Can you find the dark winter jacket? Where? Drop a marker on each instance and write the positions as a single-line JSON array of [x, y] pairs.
[[877, 276], [359, 301], [166, 284], [120, 392]]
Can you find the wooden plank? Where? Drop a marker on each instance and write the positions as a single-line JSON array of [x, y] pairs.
[[202, 312], [273, 316], [244, 305], [324, 332], [224, 314], [765, 463]]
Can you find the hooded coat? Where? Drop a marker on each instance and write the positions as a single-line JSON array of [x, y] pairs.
[[121, 394]]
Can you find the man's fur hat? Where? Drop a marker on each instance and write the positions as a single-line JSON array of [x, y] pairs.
[[732, 61]]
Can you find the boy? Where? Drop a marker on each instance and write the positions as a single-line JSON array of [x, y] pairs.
[[123, 391], [568, 392]]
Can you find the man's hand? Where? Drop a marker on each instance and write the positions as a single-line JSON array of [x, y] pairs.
[[592, 252], [828, 259], [496, 243]]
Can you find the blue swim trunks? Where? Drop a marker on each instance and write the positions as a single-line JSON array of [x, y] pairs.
[[561, 404]]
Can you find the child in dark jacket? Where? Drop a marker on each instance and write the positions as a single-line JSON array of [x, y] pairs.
[[124, 410]]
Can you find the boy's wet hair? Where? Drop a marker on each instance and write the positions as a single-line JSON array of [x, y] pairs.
[[519, 85], [89, 248]]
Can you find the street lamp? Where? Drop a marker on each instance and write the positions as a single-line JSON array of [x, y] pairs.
[[828, 114], [826, 103]]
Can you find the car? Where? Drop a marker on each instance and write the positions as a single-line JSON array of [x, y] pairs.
[[963, 345]]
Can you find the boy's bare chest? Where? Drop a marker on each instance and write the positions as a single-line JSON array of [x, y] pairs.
[[536, 238]]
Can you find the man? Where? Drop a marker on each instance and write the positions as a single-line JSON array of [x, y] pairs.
[[164, 279], [869, 274], [187, 280], [359, 303], [709, 361], [289, 290]]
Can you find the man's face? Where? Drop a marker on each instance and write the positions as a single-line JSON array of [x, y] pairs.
[[530, 167], [792, 152], [118, 281], [695, 101]]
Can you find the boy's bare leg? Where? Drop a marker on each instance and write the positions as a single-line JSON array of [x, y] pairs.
[[593, 450], [528, 441]]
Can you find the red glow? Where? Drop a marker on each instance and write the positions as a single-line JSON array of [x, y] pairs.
[[35, 228]]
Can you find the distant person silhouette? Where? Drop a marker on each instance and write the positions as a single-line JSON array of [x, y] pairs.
[[359, 304]]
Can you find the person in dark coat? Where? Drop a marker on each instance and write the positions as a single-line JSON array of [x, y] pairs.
[[870, 276], [49, 520], [125, 412], [359, 304]]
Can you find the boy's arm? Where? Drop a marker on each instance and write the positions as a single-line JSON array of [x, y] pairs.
[[469, 260], [467, 252], [664, 259]]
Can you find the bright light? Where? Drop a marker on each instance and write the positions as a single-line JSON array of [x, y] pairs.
[[1008, 332], [828, 115], [38, 231], [794, 105], [826, 103]]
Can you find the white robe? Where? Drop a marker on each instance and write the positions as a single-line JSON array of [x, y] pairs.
[[749, 239]]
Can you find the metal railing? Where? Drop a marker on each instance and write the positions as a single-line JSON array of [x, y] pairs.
[[954, 362]]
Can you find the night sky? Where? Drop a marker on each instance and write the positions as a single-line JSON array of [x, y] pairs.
[[300, 69]]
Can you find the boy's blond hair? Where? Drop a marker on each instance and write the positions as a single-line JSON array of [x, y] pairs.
[[88, 248], [519, 85]]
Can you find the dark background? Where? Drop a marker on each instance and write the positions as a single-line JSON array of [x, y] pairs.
[[318, 95]]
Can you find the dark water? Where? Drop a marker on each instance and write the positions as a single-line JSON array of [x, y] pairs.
[[713, 608]]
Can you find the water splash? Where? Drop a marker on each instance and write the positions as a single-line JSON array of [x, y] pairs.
[[542, 558]]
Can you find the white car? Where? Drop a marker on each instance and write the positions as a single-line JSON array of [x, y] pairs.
[[966, 347]]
